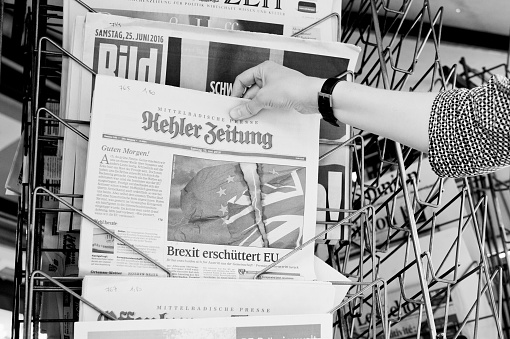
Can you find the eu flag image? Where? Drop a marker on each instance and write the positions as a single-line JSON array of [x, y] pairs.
[[236, 203]]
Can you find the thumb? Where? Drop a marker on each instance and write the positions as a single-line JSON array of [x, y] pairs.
[[247, 110]]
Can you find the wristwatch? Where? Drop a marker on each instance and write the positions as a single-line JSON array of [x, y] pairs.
[[324, 99]]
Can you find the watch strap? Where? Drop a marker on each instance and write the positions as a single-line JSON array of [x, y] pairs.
[[325, 101]]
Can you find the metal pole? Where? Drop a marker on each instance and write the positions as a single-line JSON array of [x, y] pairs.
[[412, 221], [2, 6], [416, 246], [499, 222]]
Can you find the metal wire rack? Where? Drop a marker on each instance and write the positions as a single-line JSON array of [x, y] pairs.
[[428, 258]]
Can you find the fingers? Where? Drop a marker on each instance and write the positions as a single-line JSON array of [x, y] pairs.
[[249, 84], [251, 92], [245, 80], [247, 110]]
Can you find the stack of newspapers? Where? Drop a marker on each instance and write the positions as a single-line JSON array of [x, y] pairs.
[[174, 189]]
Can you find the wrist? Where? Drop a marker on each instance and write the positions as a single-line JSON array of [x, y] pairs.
[[325, 100], [314, 87]]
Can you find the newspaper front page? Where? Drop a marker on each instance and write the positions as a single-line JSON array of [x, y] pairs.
[[310, 326], [191, 57], [203, 195], [132, 298]]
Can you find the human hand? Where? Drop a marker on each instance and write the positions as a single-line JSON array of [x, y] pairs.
[[270, 85]]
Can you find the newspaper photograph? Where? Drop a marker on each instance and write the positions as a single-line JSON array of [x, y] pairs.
[[132, 298], [203, 195], [193, 57], [312, 326]]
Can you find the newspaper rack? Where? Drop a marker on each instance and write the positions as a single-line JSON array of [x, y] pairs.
[[37, 275], [369, 290], [39, 191]]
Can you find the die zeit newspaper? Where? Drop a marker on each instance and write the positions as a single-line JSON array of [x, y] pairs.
[[192, 57], [205, 196], [266, 16]]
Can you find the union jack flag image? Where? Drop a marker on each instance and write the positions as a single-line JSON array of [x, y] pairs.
[[235, 203]]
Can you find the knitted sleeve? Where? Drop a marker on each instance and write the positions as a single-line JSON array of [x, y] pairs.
[[469, 130]]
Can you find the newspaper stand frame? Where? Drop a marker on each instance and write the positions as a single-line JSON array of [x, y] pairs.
[[36, 276], [368, 286]]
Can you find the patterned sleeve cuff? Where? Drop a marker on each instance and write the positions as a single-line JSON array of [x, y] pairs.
[[469, 130]]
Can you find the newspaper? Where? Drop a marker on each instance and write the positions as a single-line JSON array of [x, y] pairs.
[[14, 181], [59, 260], [72, 141], [274, 16], [281, 18], [53, 264], [191, 57], [277, 327], [202, 194], [128, 298], [341, 283], [131, 298]]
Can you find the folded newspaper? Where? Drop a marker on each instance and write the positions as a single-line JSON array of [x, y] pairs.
[[312, 326], [133, 298], [191, 57], [201, 194], [281, 18], [267, 16], [128, 298]]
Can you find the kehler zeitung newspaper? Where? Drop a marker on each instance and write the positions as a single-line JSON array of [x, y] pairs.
[[306, 326], [203, 195]]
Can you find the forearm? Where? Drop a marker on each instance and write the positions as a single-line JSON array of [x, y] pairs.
[[468, 131], [397, 115], [401, 116]]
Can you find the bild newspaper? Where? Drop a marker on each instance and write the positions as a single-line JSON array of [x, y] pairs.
[[203, 195], [191, 57]]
